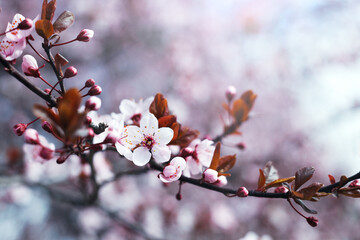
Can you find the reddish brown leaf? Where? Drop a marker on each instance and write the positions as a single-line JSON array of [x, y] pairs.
[[216, 157], [249, 98], [226, 163], [64, 21], [309, 191], [262, 179], [302, 176], [60, 61], [343, 181], [331, 179], [44, 28], [68, 108], [185, 136], [159, 106], [50, 10], [226, 107], [240, 110], [176, 128], [167, 121], [279, 182]]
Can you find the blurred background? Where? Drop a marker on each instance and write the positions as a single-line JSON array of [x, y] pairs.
[[300, 57]]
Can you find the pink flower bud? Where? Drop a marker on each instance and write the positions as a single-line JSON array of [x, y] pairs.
[[221, 181], [230, 93], [89, 83], [210, 175], [30, 66], [94, 90], [26, 24], [242, 192], [355, 183], [46, 153], [19, 129], [93, 103], [85, 35], [312, 221], [47, 126], [88, 120], [281, 189], [31, 136], [47, 90], [70, 72]]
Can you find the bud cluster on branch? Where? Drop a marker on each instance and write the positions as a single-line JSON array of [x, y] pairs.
[[144, 132]]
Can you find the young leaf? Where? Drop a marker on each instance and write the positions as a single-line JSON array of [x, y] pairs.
[[44, 28], [303, 175], [309, 191], [249, 98], [239, 111], [167, 121], [278, 182], [60, 61], [270, 172], [262, 179], [226, 163], [159, 106], [331, 179], [216, 157], [343, 181], [184, 137], [64, 21]]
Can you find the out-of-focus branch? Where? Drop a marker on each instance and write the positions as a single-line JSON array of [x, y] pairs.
[[16, 74]]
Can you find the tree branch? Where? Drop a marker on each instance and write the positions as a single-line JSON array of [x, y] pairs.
[[16, 74]]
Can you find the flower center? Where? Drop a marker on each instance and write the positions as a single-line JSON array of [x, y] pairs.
[[148, 142]]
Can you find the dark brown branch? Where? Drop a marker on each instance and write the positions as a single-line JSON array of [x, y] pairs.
[[253, 193], [52, 64], [16, 74]]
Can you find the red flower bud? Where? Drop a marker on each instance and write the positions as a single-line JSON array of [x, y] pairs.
[[89, 83], [242, 192], [70, 72], [186, 152], [312, 221], [85, 35], [26, 24], [178, 196], [91, 133], [355, 183], [94, 90], [47, 90], [19, 129], [281, 189], [47, 126]]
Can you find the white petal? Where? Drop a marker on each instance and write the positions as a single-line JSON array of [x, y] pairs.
[[141, 156], [194, 167], [178, 162], [163, 135], [122, 150], [134, 136], [161, 153], [169, 170], [127, 107], [146, 104], [149, 124], [164, 179]]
